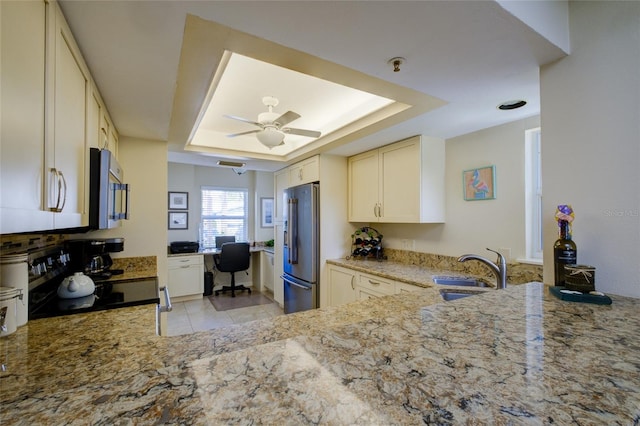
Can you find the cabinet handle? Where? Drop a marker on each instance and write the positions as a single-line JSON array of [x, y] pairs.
[[300, 173], [375, 210], [352, 278], [61, 196], [185, 266], [374, 282], [379, 210]]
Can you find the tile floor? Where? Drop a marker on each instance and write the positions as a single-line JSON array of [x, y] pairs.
[[200, 315]]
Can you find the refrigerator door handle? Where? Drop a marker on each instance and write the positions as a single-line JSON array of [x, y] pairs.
[[304, 287], [293, 230]]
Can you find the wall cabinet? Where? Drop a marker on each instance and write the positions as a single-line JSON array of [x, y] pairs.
[[342, 285], [305, 171], [50, 115], [398, 183], [22, 84], [186, 276], [68, 84]]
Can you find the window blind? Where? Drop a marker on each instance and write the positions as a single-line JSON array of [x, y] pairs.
[[224, 212]]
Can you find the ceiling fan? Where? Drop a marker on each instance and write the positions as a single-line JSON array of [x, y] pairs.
[[271, 130]]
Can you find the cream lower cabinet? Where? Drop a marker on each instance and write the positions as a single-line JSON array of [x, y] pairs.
[[347, 285], [342, 285], [267, 274], [186, 276], [369, 286]]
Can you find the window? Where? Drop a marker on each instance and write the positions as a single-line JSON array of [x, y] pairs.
[[224, 212], [533, 193]]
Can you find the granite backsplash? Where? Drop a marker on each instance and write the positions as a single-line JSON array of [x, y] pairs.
[[517, 273]]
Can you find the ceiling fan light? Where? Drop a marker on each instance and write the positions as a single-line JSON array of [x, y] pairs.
[[270, 137]]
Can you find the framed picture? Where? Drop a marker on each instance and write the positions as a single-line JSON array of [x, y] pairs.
[[266, 212], [178, 200], [479, 184], [178, 220]]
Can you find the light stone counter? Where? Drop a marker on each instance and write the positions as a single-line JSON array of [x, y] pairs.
[[514, 356]]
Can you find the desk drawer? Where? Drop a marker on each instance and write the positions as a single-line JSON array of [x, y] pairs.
[[180, 261]]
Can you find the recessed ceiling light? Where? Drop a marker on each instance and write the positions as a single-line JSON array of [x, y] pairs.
[[505, 106]]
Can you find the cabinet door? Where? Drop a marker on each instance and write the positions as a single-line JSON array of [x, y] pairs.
[[306, 171], [66, 147], [266, 275], [363, 187], [341, 285], [186, 276], [22, 84], [400, 182]]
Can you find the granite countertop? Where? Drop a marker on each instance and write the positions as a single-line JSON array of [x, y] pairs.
[[512, 356]]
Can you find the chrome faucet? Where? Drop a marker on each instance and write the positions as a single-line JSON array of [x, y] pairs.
[[499, 268]]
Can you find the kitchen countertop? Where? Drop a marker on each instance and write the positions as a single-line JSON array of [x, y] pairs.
[[512, 356], [252, 249]]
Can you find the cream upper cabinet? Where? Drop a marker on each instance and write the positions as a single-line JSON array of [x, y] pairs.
[[22, 84], [68, 87], [51, 115], [398, 183], [305, 171]]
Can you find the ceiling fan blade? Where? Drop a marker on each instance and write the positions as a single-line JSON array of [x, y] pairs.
[[301, 132], [287, 117], [233, 135], [244, 120]]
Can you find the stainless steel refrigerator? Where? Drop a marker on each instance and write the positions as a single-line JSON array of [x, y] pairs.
[[301, 248]]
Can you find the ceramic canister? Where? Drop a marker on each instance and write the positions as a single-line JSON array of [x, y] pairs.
[[14, 272]]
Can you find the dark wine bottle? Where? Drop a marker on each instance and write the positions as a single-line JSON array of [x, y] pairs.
[[564, 252]]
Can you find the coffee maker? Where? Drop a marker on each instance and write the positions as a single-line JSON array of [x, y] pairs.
[[92, 257]]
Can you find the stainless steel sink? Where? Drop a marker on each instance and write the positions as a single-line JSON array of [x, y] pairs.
[[448, 295], [460, 281]]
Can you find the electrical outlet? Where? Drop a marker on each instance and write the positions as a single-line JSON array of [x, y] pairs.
[[406, 244]]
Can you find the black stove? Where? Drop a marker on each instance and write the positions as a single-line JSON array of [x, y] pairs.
[[48, 269]]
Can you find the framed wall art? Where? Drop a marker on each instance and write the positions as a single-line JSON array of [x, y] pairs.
[[178, 200], [178, 220], [266, 212], [479, 184]]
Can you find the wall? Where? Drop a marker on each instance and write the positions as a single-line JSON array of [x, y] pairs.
[[190, 178], [590, 146], [471, 226], [145, 234]]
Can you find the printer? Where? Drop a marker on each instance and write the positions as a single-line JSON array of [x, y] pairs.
[[184, 247]]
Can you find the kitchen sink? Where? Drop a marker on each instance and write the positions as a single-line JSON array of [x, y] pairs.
[[460, 281], [448, 295]]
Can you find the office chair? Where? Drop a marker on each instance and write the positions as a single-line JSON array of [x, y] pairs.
[[221, 239], [233, 257]]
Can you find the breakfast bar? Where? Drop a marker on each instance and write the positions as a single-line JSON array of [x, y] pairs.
[[514, 356]]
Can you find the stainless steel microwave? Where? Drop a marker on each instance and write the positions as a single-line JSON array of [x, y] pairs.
[[108, 194]]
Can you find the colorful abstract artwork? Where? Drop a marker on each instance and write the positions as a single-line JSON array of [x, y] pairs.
[[479, 184]]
